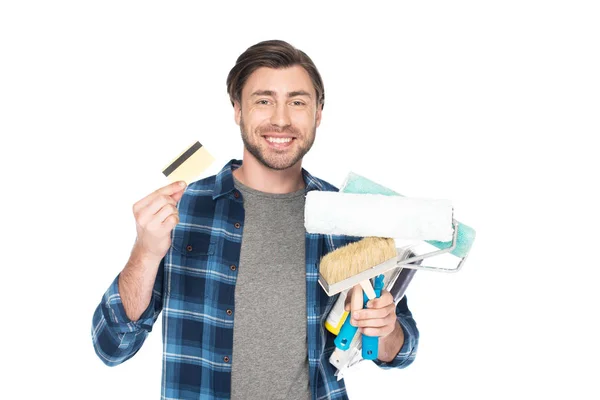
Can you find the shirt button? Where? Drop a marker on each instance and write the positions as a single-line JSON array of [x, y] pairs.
[[232, 267], [229, 312], [189, 248], [237, 225], [226, 359], [236, 194]]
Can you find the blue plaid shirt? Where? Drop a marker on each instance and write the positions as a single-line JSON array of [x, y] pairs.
[[195, 288]]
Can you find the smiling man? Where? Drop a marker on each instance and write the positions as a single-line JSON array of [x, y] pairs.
[[278, 117], [230, 266]]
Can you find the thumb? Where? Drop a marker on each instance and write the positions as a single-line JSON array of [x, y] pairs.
[[177, 196]]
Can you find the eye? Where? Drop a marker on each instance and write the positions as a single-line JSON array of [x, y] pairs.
[[262, 102], [298, 103]]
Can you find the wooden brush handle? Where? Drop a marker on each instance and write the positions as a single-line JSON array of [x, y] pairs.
[[356, 301], [348, 331], [368, 289]]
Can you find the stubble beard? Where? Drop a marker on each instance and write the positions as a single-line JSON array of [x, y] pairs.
[[276, 160]]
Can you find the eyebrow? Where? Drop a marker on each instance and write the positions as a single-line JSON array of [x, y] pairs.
[[273, 93]]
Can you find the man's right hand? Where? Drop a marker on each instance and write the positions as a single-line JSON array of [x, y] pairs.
[[155, 217]]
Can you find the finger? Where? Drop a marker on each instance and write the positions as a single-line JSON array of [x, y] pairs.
[[382, 301], [168, 190], [166, 212], [170, 223], [378, 332], [158, 203], [159, 218], [147, 214], [373, 313], [178, 195], [374, 322]]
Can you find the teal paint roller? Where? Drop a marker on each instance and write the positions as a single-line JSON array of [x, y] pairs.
[[465, 235]]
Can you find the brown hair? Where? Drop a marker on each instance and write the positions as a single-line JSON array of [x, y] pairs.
[[272, 54]]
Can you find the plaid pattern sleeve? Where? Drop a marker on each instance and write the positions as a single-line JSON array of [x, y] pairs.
[[115, 337], [195, 289]]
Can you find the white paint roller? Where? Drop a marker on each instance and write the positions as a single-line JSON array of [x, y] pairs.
[[354, 214]]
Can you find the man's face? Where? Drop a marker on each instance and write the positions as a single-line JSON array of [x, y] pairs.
[[278, 116]]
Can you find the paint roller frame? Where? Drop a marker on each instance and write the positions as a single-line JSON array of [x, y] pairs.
[[398, 261]]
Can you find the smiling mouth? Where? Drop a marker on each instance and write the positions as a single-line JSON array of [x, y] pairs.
[[279, 142], [273, 139]]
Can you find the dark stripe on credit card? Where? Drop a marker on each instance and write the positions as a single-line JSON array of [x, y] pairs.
[[183, 158]]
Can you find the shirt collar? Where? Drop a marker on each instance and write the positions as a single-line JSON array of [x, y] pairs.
[[224, 179]]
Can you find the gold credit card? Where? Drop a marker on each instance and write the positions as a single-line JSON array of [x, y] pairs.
[[189, 165]]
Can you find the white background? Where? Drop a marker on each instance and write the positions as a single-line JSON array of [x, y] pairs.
[[494, 105]]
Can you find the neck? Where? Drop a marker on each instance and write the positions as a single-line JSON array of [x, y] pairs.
[[254, 174]]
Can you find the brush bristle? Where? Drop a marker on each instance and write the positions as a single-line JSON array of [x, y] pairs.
[[356, 257]]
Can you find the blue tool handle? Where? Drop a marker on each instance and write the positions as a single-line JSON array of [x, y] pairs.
[[347, 331], [344, 338], [370, 344]]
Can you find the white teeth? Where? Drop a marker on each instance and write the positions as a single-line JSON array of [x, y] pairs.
[[279, 140]]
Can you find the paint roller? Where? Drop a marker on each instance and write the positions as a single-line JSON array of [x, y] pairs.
[[378, 216], [459, 247]]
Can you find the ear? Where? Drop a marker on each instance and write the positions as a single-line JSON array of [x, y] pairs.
[[318, 119], [237, 111]]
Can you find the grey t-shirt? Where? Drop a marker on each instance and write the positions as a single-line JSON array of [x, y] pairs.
[[270, 355]]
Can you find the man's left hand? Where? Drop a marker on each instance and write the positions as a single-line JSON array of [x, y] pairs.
[[378, 319]]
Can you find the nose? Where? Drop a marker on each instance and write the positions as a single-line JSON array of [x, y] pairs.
[[281, 116]]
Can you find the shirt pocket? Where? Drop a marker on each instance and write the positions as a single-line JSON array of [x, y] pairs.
[[190, 266], [192, 244]]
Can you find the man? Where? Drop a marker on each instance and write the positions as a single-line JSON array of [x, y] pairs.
[[232, 247]]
